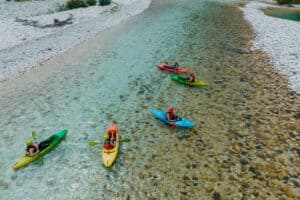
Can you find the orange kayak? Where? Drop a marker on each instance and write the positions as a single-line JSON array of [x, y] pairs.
[[109, 155]]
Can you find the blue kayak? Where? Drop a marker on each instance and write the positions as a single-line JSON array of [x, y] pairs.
[[179, 122]]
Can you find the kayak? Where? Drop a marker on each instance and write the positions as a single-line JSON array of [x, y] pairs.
[[109, 156], [182, 80], [169, 69], [51, 141], [179, 122]]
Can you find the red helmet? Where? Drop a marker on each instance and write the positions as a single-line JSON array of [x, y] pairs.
[[191, 74], [171, 109], [166, 62]]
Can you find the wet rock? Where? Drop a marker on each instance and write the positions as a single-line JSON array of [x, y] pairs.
[[244, 161], [216, 196], [93, 125], [183, 192], [186, 178], [297, 115], [194, 165], [226, 165], [14, 176], [3, 184], [218, 81], [244, 197], [109, 116], [296, 183], [149, 98], [210, 187]]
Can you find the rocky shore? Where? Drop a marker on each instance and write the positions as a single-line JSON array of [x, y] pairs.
[[29, 35], [279, 38]]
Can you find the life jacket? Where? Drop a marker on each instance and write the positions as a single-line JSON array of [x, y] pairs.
[[32, 147], [192, 78], [107, 146], [172, 115]]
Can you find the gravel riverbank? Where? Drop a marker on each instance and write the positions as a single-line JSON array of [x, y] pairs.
[[24, 46], [279, 38]]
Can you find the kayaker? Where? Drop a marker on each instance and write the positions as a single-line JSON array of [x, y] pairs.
[[110, 140], [166, 63], [191, 78], [106, 144], [31, 148], [113, 138], [170, 115], [174, 66]]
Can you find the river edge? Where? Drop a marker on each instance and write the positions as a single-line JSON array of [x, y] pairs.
[[272, 37], [16, 60]]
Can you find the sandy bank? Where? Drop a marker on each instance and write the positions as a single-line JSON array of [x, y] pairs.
[[280, 38], [23, 46]]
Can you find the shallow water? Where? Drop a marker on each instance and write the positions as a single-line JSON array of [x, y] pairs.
[[241, 116], [283, 13]]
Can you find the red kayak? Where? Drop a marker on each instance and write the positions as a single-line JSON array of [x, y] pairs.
[[169, 69]]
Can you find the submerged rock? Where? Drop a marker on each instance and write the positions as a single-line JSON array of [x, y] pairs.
[[216, 196], [3, 184]]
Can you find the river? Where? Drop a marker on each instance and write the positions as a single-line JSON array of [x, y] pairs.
[[240, 116]]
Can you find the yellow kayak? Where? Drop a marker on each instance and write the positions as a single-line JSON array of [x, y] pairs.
[[182, 80], [52, 141], [109, 155]]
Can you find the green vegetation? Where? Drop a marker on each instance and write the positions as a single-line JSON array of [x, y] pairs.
[[104, 2], [71, 4], [288, 1], [91, 2]]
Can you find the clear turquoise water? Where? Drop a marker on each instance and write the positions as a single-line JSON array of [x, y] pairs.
[[110, 78], [286, 15]]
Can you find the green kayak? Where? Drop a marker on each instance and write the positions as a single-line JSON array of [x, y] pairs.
[[50, 143], [182, 80]]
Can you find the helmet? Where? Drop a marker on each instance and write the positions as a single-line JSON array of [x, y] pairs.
[[106, 137], [191, 74], [171, 109], [29, 142], [166, 62], [175, 62]]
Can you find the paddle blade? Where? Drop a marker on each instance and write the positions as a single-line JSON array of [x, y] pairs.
[[125, 140], [173, 126], [33, 134], [93, 143]]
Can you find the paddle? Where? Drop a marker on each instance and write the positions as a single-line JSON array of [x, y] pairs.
[[94, 143], [173, 126], [33, 136]]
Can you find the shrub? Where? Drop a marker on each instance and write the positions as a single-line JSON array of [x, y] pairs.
[[288, 1], [71, 4], [104, 2], [91, 2]]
